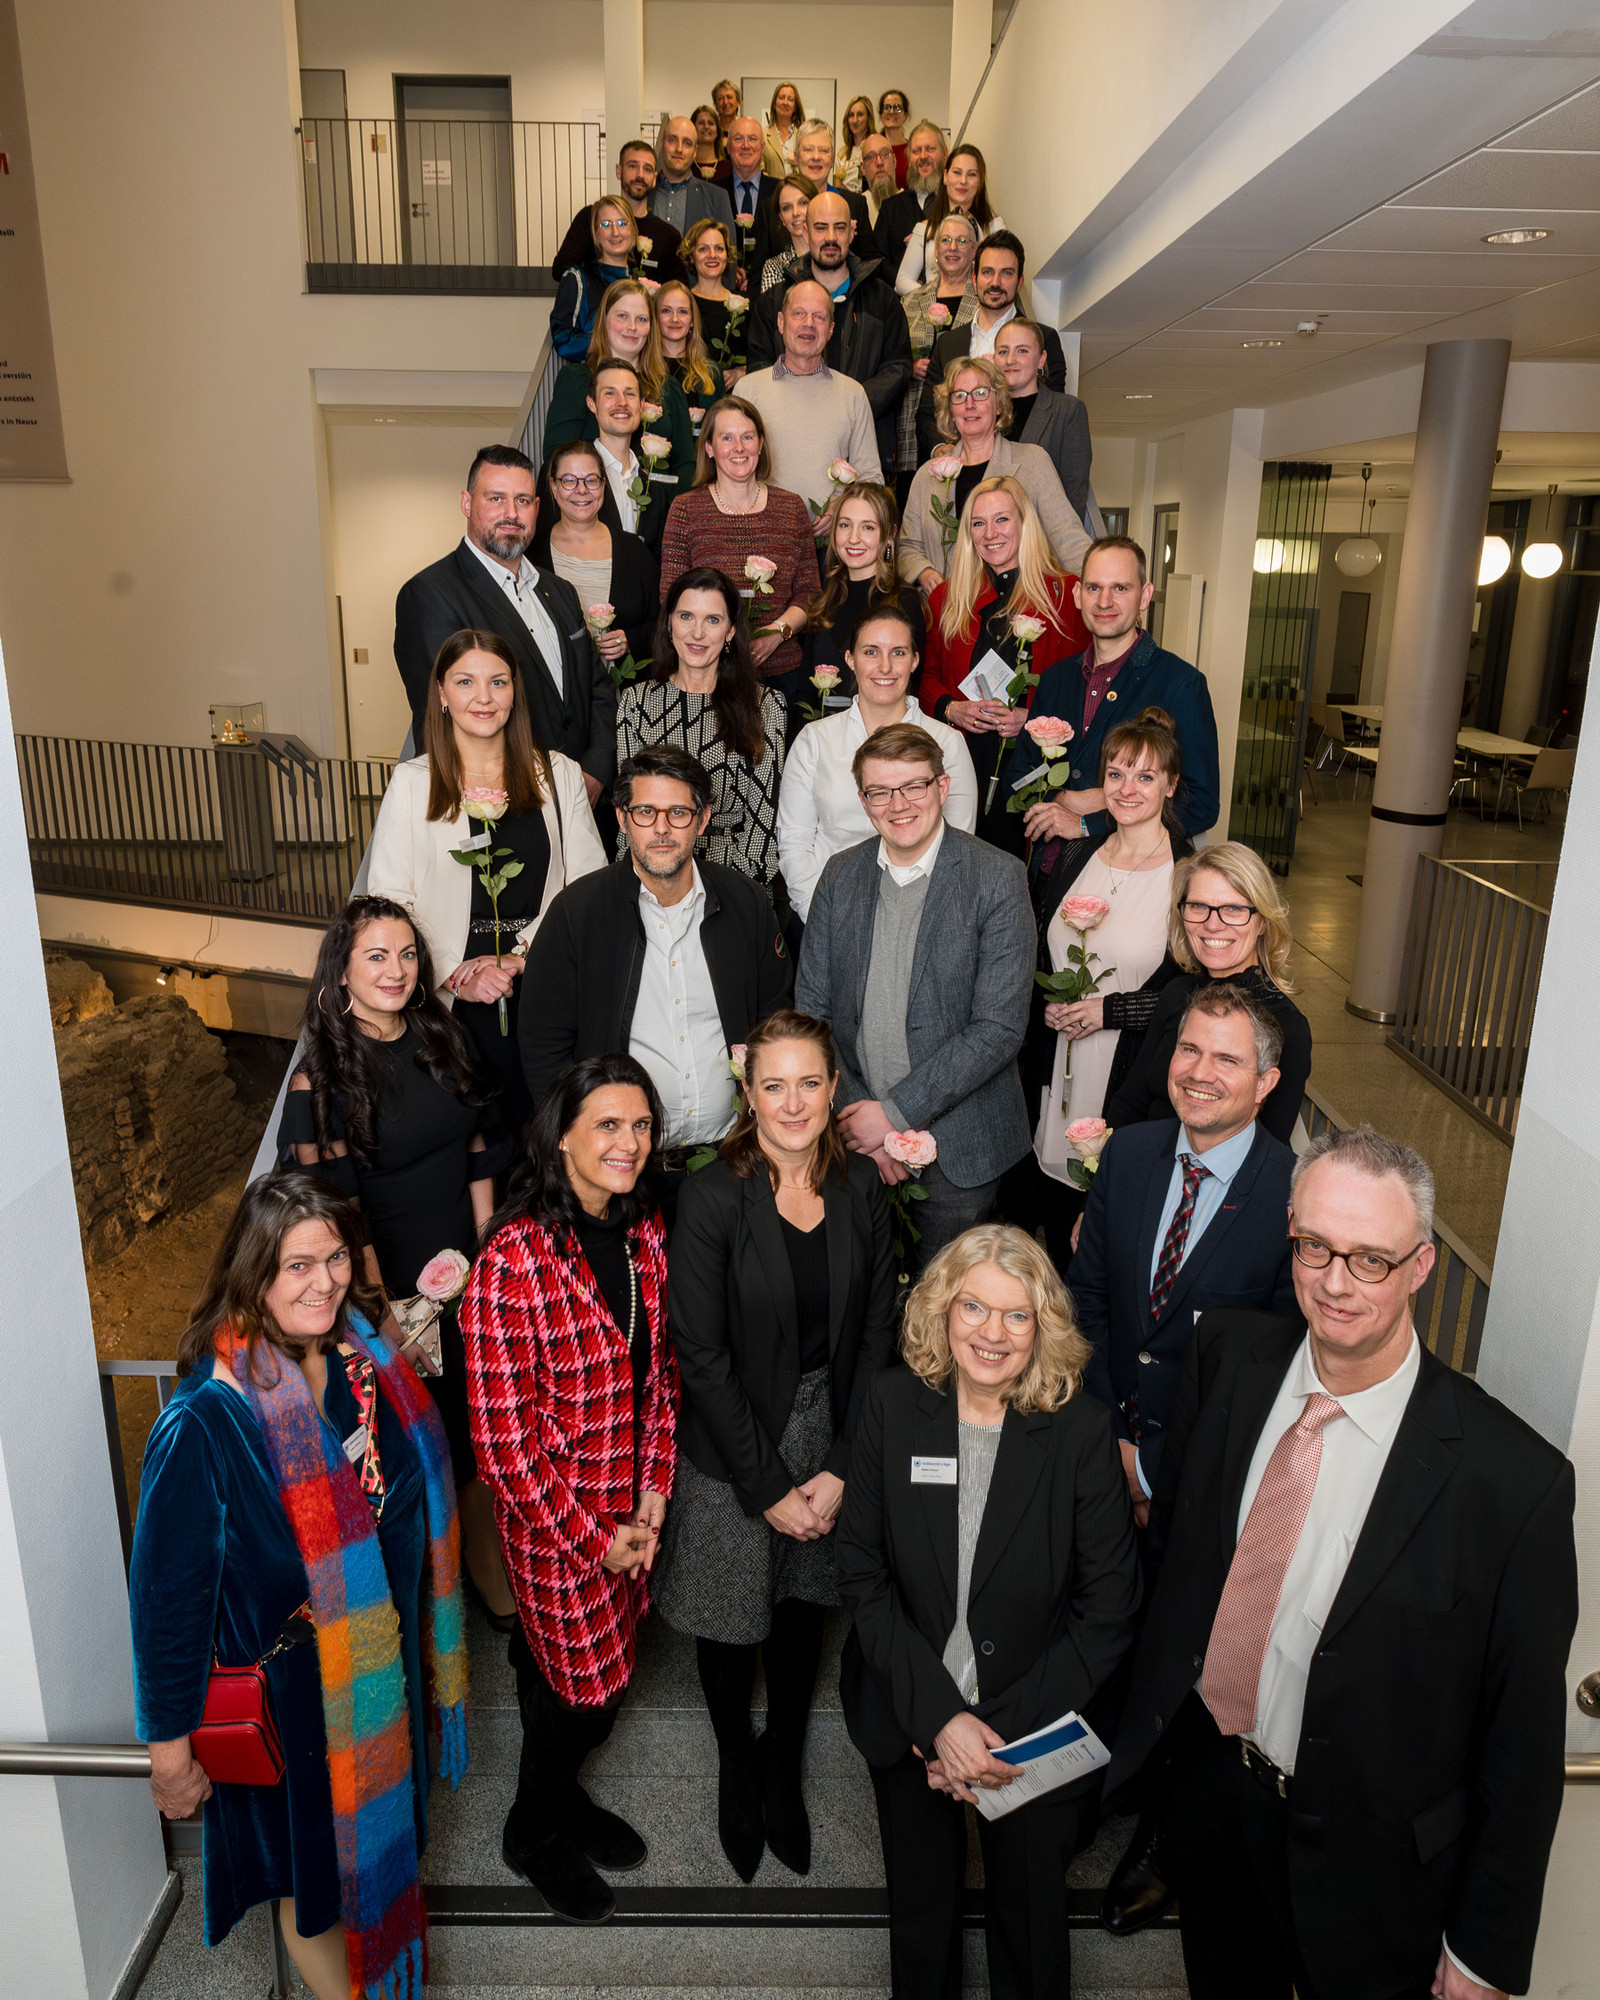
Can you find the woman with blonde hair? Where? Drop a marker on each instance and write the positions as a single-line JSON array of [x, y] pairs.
[[1229, 921], [1001, 569], [973, 404], [626, 329], [987, 1559], [683, 344], [614, 239], [857, 126], [947, 300]]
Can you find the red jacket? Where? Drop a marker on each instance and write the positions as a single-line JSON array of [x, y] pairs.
[[550, 1386], [947, 662]]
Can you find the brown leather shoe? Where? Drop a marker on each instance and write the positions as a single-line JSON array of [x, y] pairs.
[[1138, 1894]]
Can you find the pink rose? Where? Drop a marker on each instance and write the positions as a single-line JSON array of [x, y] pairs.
[[842, 472], [484, 802], [946, 466], [1087, 1136], [760, 569], [1027, 628], [443, 1277], [1050, 732], [1082, 913], [651, 412], [651, 285], [655, 447], [911, 1149], [825, 679], [599, 616], [737, 1052], [938, 315]]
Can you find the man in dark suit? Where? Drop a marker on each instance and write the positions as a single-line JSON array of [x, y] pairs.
[[1353, 1669], [919, 949], [901, 213], [488, 582], [996, 278], [1122, 672], [751, 193]]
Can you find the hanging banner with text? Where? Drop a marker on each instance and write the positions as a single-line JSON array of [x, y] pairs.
[[31, 444]]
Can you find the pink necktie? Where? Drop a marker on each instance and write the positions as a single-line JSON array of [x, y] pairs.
[[1232, 1677]]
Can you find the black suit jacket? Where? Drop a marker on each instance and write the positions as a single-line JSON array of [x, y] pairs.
[[735, 1325], [455, 593], [1241, 1258], [898, 216], [768, 236], [1055, 1577], [955, 346], [582, 974], [1428, 1777]]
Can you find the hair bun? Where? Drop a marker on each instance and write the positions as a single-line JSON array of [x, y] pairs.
[[1155, 718]]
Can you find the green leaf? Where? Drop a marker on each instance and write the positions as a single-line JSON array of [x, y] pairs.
[[915, 1191], [1058, 777], [510, 869], [466, 860]]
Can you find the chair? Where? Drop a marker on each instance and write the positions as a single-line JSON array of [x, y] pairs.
[[1551, 771], [1314, 741]]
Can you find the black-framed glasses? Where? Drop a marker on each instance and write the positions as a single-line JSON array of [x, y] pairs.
[[1236, 914], [982, 395], [913, 793], [1365, 1266], [678, 816], [574, 482]]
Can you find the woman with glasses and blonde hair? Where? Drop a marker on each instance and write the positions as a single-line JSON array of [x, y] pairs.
[[610, 570], [974, 413], [614, 239], [1001, 568], [987, 1560], [1229, 921]]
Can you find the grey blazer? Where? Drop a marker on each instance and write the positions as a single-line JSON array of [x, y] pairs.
[[1059, 426], [971, 986], [705, 198]]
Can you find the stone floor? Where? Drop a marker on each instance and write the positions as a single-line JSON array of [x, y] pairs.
[[1351, 1067]]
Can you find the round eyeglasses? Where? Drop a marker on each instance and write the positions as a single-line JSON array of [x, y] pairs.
[[678, 816], [1236, 914], [579, 482], [1366, 1266], [959, 396]]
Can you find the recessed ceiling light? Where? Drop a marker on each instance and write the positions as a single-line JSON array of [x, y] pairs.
[[1261, 343], [1138, 395], [1500, 237]]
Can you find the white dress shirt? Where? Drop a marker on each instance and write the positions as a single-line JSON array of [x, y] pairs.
[[984, 338], [923, 865], [619, 477], [519, 588], [819, 809], [677, 1031]]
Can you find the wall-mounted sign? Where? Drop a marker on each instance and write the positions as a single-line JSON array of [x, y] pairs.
[[31, 445]]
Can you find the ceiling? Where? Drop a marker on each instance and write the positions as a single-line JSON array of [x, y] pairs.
[[1379, 278]]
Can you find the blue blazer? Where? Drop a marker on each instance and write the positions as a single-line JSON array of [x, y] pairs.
[[1242, 1259], [1151, 678]]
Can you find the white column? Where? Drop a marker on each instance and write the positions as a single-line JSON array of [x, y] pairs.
[[623, 30], [81, 1863], [1142, 496], [971, 32], [1541, 1343]]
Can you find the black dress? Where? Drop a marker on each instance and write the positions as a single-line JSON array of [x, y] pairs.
[[415, 1194], [825, 644], [723, 333], [1000, 828], [497, 1054]]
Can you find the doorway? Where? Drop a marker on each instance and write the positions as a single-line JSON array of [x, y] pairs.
[[455, 169]]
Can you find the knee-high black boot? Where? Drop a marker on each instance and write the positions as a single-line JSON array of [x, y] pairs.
[[789, 1656], [727, 1677]]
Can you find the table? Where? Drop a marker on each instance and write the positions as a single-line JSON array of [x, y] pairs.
[[1484, 743], [1362, 713]]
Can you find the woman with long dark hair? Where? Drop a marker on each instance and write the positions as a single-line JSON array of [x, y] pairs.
[[483, 770], [297, 1486], [574, 1403], [703, 695], [782, 1309], [387, 1106], [963, 190], [862, 574]]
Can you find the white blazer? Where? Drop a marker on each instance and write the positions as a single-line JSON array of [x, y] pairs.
[[413, 865]]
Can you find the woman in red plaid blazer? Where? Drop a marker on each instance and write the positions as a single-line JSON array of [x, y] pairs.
[[574, 1395]]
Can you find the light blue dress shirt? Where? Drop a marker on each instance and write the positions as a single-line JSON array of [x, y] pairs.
[[1221, 1164]]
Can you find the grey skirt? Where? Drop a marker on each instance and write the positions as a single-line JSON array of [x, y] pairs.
[[719, 1572]]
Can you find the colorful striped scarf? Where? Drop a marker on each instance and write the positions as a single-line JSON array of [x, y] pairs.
[[358, 1643]]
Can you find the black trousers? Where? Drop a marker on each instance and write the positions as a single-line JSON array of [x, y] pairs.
[[1025, 1858], [556, 1738], [1227, 1844]]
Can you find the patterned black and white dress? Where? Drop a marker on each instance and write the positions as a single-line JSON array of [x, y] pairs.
[[744, 799]]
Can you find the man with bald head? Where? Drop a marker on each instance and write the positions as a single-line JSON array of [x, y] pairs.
[[869, 340], [813, 413], [761, 235], [680, 196]]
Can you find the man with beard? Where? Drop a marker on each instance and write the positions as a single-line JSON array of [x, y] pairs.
[[877, 175], [636, 176], [869, 341], [673, 959], [997, 278], [488, 584], [901, 213]]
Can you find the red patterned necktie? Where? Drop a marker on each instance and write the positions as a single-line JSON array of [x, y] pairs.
[[1177, 1237], [1232, 1678]]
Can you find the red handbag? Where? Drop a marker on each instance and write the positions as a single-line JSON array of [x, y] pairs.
[[237, 1742]]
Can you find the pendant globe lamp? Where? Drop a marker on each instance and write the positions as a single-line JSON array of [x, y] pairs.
[[1360, 555], [1540, 559]]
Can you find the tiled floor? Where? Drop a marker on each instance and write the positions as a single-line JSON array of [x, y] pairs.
[[1351, 1066]]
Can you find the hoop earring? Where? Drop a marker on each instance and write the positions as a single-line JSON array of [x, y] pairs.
[[418, 992], [349, 1005]]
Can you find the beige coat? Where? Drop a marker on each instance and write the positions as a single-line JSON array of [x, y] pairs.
[[922, 544]]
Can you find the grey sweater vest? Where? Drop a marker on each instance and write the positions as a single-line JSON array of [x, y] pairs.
[[885, 1058]]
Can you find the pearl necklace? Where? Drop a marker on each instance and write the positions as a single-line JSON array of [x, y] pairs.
[[755, 506]]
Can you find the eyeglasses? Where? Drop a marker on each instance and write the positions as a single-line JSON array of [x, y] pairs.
[[678, 816], [954, 242], [973, 1313], [913, 793], [1366, 1266], [573, 482], [617, 223], [1237, 914], [971, 395]]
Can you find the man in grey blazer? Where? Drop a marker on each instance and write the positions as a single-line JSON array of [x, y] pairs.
[[1056, 423], [680, 197], [920, 950]]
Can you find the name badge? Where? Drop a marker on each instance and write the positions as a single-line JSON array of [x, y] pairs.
[[933, 1471], [355, 1445]]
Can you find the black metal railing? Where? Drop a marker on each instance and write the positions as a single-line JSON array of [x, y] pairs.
[[441, 204], [264, 827], [1470, 980]]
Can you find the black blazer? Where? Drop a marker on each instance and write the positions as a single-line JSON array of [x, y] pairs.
[[635, 576], [583, 967], [1242, 1258], [1428, 1777], [898, 216], [1055, 1576], [1142, 1094], [455, 593], [732, 1315], [955, 346], [768, 236]]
